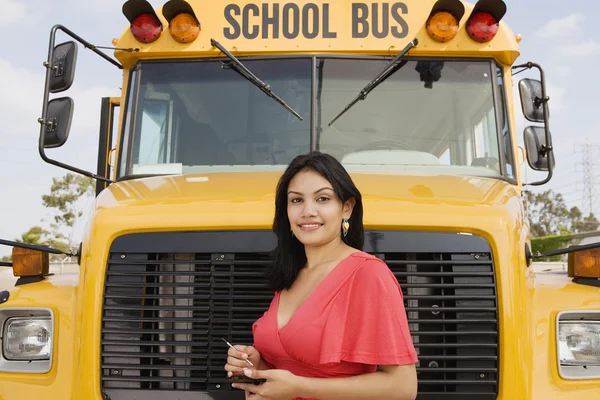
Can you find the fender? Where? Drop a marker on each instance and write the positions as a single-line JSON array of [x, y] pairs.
[[58, 293], [548, 294]]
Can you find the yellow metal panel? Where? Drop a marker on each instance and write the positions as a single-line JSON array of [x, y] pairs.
[[323, 26], [482, 206], [547, 295], [58, 293], [527, 303]]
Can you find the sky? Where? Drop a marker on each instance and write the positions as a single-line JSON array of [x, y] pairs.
[[558, 35]]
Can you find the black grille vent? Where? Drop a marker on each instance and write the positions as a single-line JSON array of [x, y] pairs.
[[164, 315], [450, 301]]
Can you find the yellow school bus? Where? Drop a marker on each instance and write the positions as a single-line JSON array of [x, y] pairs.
[[414, 97]]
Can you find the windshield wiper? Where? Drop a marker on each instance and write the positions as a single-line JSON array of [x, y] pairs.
[[245, 72], [394, 66]]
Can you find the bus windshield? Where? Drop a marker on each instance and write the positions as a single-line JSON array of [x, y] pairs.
[[430, 116]]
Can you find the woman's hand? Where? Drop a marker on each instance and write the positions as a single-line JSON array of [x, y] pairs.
[[280, 385], [236, 359]]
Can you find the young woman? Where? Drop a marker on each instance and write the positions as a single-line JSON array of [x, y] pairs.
[[336, 327]]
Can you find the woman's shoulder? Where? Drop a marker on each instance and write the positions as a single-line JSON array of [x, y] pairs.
[[368, 263], [368, 270]]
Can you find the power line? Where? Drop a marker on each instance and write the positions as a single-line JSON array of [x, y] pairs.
[[564, 186], [589, 153]]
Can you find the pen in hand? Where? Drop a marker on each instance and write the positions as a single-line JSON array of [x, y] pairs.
[[230, 345]]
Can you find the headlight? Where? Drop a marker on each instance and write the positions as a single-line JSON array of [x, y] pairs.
[[578, 345], [27, 339]]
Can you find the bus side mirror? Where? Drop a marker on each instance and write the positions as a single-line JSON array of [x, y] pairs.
[[530, 91], [538, 154], [64, 58], [58, 122]]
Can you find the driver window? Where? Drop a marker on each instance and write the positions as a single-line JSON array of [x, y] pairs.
[[484, 134], [155, 140]]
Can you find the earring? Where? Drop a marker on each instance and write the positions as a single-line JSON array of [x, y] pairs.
[[345, 226]]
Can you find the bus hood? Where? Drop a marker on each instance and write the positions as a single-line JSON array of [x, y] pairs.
[[246, 201]]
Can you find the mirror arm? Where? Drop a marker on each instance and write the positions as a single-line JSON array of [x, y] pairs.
[[84, 42], [53, 68], [44, 122], [567, 250], [544, 102], [545, 149], [538, 102]]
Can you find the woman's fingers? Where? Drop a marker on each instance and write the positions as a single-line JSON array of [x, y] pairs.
[[236, 359], [236, 362], [238, 352]]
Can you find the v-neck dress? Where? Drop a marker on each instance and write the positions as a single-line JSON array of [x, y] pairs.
[[352, 322]]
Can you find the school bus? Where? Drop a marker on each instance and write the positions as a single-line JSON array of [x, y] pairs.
[[414, 97]]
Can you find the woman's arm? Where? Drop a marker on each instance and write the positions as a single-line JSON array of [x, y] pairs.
[[392, 382]]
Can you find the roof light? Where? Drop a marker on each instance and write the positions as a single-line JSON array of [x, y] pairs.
[[146, 28], [145, 25], [484, 21], [482, 27], [443, 21], [184, 28], [442, 26], [183, 23]]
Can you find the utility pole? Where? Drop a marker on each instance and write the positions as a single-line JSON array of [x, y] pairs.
[[589, 153]]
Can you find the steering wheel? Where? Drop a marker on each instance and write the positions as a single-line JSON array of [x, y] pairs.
[[384, 145]]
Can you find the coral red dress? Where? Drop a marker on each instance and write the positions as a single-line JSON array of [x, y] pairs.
[[353, 321]]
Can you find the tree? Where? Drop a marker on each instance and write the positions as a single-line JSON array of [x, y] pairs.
[[542, 245], [64, 195], [33, 235], [587, 224], [40, 236], [552, 223], [549, 215], [65, 199]]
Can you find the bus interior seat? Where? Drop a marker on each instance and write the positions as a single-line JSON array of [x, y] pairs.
[[391, 157], [487, 162]]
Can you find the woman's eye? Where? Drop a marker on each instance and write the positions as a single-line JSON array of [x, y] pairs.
[[295, 200], [323, 199]]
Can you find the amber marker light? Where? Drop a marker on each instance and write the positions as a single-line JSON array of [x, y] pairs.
[[584, 264], [444, 19], [184, 28], [27, 262], [442, 26]]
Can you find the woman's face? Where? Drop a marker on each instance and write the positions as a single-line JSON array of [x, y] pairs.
[[314, 210]]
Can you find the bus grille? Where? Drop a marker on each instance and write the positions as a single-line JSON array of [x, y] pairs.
[[164, 314]]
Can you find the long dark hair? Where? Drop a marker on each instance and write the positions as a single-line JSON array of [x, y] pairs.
[[289, 255]]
